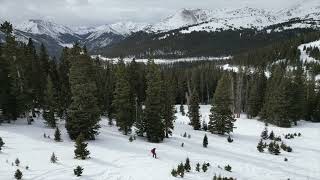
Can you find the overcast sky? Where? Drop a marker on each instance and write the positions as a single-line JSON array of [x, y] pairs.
[[97, 12]]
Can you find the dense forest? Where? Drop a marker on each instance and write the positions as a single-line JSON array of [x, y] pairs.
[[80, 89]]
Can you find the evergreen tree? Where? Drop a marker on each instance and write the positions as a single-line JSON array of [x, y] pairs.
[[153, 125], [260, 146], [81, 151], [221, 119], [49, 101], [276, 149], [256, 93], [187, 166], [168, 108], [65, 90], [194, 114], [18, 174], [271, 136], [57, 135], [83, 112], [204, 125], [17, 162], [78, 171], [53, 158], [182, 110], [1, 143], [271, 147], [205, 141], [204, 167], [198, 167], [180, 170], [264, 133], [123, 101], [174, 173]]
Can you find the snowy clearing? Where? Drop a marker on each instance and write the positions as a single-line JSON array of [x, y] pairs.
[[113, 157]]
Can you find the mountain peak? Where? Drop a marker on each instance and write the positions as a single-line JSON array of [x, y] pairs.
[[47, 27]]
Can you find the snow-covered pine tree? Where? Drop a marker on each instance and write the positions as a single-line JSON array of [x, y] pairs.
[[57, 135], [265, 134], [183, 113], [194, 114], [221, 118], [81, 151], [204, 125], [78, 171], [154, 126], [18, 174], [123, 100], [205, 141], [83, 112]]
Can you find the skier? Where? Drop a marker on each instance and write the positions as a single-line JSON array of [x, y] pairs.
[[153, 151]]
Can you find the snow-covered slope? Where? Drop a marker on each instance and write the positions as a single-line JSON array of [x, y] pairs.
[[36, 26], [113, 157], [304, 56]]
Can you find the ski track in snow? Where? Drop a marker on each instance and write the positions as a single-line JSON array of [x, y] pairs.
[[113, 157]]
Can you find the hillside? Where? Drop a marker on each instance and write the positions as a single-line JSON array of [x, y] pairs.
[[114, 157]]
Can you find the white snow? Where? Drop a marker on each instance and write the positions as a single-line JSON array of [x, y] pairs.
[[304, 57], [163, 61], [113, 157]]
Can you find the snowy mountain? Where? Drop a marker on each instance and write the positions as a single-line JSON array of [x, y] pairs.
[[296, 14], [36, 26]]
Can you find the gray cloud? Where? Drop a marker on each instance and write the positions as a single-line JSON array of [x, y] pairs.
[[94, 12]]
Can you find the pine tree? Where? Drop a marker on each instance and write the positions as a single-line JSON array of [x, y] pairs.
[[180, 170], [187, 166], [153, 125], [271, 147], [264, 134], [17, 162], [78, 171], [57, 135], [123, 101], [182, 110], [1, 143], [168, 108], [276, 149], [256, 93], [83, 112], [271, 136], [18, 174], [205, 141], [81, 151], [198, 167], [174, 173], [204, 167], [221, 119], [228, 168], [49, 101], [53, 158], [204, 125], [260, 146], [65, 90], [194, 114]]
